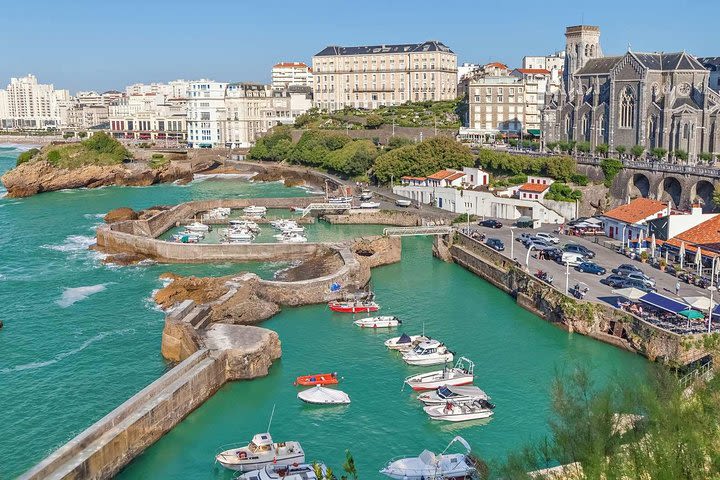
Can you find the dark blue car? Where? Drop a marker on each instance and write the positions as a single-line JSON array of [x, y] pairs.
[[590, 267]]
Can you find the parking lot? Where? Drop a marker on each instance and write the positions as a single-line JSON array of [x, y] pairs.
[[605, 257]]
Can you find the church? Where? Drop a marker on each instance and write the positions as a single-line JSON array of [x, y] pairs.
[[656, 100]]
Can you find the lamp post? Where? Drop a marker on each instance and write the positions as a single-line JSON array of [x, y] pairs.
[[527, 257], [512, 243], [622, 240], [567, 277], [712, 290]]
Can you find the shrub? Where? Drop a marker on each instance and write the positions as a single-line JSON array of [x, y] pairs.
[[54, 157], [373, 121], [67, 135], [610, 168], [463, 218], [602, 149], [563, 193], [82, 134], [396, 142], [706, 157], [681, 155], [503, 163], [637, 151], [518, 179], [620, 149], [579, 179], [658, 153], [25, 157], [275, 146], [158, 160], [584, 147]]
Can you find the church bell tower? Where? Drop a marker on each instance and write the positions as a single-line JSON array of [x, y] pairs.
[[582, 42]]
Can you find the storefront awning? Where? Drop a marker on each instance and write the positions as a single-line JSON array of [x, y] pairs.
[[664, 303], [534, 131]]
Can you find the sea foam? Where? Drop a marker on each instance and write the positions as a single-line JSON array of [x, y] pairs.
[[73, 243], [73, 295]]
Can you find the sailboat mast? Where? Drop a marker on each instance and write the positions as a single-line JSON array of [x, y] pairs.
[[271, 418]]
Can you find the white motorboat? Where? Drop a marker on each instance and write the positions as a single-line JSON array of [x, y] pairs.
[[320, 395], [370, 205], [460, 374], [366, 195], [431, 352], [244, 224], [200, 235], [340, 200], [431, 466], [261, 452], [197, 227], [292, 238], [457, 394], [240, 235], [255, 210], [386, 321], [405, 342], [216, 214], [302, 471], [179, 238], [403, 203], [460, 411]]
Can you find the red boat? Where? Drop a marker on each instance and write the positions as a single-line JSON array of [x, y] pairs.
[[317, 379], [354, 307]]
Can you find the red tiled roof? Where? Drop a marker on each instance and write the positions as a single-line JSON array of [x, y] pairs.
[[534, 71], [534, 187], [420, 179], [454, 176], [289, 64], [689, 247], [441, 175], [497, 64], [636, 211], [703, 234]]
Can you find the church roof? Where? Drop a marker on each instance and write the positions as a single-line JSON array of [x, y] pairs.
[[668, 61], [601, 65], [686, 101], [711, 63], [429, 46]]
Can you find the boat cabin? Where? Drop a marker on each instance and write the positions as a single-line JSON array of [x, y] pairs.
[[427, 348], [262, 442]]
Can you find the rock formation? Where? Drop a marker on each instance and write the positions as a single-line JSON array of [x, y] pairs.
[[41, 176], [120, 215]]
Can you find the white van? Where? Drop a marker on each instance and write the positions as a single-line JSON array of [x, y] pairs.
[[572, 259]]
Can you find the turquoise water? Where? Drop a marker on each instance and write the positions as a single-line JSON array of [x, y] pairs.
[[80, 337]]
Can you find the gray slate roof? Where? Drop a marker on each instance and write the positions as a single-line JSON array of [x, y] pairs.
[[429, 46], [598, 66], [711, 63], [686, 101], [668, 61]]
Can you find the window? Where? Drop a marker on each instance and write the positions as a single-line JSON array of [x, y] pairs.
[[627, 109], [204, 115]]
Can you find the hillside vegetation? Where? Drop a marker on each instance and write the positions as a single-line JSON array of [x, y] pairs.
[[100, 149]]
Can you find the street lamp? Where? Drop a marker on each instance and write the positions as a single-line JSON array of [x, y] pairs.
[[622, 240], [712, 290], [512, 243], [567, 277], [527, 257]]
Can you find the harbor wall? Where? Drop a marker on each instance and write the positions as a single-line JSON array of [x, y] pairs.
[[382, 217], [597, 320]]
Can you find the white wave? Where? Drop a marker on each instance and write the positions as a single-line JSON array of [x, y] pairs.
[[62, 355], [150, 303], [19, 147], [293, 264], [74, 295], [91, 216], [73, 243]]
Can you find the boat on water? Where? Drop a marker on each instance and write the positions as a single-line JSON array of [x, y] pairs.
[[431, 352], [255, 210], [291, 237], [261, 452], [431, 466], [244, 225], [403, 203], [460, 374], [320, 395], [356, 306], [460, 411], [240, 235], [366, 195], [302, 471], [370, 205], [317, 379], [387, 321], [405, 342], [197, 227], [297, 209], [187, 238], [457, 394]]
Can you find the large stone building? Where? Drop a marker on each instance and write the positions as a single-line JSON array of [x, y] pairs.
[[656, 100], [27, 104], [373, 76]]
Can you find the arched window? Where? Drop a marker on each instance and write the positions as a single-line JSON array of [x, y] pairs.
[[585, 126], [587, 50], [568, 125], [601, 127], [592, 50], [627, 109], [686, 131], [652, 131]]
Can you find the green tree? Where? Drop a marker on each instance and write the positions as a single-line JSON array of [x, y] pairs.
[[373, 121], [681, 155], [706, 157], [584, 147], [579, 179], [302, 120], [636, 151], [26, 156], [354, 159], [82, 134], [563, 193], [422, 159], [621, 149], [395, 142], [349, 465], [610, 168], [551, 146], [315, 145], [54, 157], [560, 168], [658, 152], [101, 143], [602, 149], [67, 135]]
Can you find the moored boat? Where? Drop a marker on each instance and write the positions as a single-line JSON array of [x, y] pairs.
[[317, 379], [340, 200], [458, 394], [378, 322], [370, 205], [301, 471], [366, 195], [197, 227], [431, 466], [461, 374], [255, 210], [291, 237], [403, 203], [187, 238], [320, 395], [460, 412], [244, 225], [261, 452], [431, 352], [354, 306], [404, 342]]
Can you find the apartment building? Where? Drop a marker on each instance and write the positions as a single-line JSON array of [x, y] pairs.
[[286, 74], [28, 104], [555, 61], [496, 104], [373, 76]]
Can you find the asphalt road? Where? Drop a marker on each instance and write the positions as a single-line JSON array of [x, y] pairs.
[[605, 257]]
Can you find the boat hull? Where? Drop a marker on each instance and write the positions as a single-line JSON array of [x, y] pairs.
[[251, 465], [423, 386], [318, 379], [434, 360], [347, 308], [462, 417]]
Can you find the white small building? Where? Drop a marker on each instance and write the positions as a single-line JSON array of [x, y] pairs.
[[627, 222], [535, 188]]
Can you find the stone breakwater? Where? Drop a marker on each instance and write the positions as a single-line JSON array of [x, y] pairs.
[[596, 320], [37, 177]]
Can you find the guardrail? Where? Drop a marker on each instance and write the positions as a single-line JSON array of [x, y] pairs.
[[410, 231]]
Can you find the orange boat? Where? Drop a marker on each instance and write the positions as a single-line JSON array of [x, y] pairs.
[[317, 379]]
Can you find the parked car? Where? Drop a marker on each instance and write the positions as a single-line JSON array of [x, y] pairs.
[[614, 280], [490, 223], [628, 283], [496, 244], [591, 267], [626, 268], [572, 259], [539, 244], [554, 254], [581, 249], [524, 238], [640, 277], [547, 237]]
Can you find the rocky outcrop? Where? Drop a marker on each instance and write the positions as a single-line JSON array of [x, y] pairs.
[[199, 289], [248, 351], [375, 251], [41, 176], [120, 215]]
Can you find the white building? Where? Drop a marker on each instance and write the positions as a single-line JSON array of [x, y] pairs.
[[469, 177], [545, 62], [287, 74], [206, 111], [467, 69], [496, 105], [535, 188], [32, 105], [627, 222]]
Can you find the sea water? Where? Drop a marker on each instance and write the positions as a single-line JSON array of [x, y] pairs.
[[81, 337]]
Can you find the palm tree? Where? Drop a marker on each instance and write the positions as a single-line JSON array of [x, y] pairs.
[[349, 465]]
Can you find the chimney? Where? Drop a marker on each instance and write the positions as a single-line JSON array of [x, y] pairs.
[[696, 209]]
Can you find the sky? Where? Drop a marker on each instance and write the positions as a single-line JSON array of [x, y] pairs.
[[104, 45]]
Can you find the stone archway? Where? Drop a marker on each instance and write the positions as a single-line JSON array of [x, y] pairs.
[[703, 190], [670, 190], [639, 186]]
